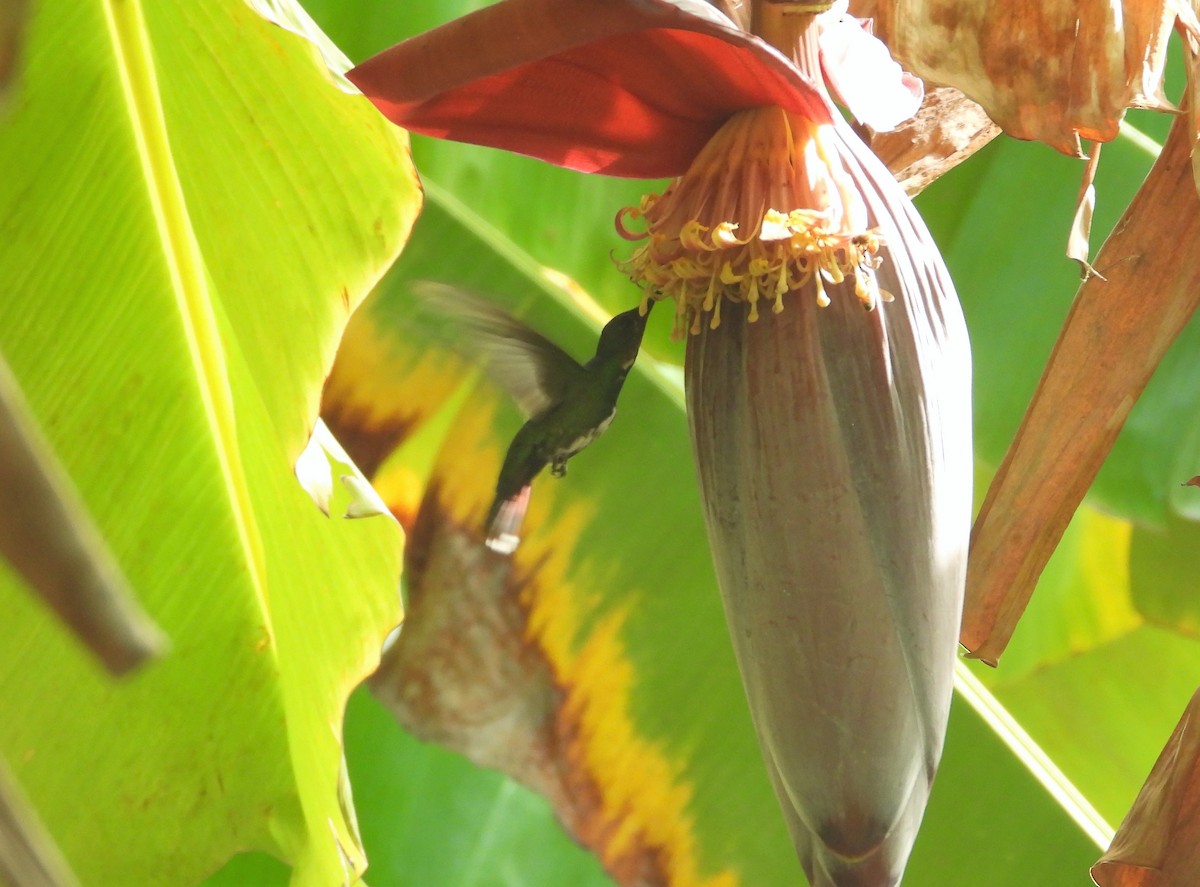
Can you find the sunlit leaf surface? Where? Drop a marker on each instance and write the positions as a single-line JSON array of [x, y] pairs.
[[184, 235]]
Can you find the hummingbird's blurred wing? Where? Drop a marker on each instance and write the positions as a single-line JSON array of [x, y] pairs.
[[534, 371]]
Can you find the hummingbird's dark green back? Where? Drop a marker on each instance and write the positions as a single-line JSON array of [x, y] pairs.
[[568, 405]]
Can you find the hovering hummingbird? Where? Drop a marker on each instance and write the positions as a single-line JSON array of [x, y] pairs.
[[567, 405]]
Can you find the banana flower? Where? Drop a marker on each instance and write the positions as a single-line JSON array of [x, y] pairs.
[[827, 367]]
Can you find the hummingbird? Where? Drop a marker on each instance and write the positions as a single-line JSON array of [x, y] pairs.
[[567, 404]]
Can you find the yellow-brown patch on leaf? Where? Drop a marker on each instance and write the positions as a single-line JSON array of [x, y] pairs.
[[401, 489], [514, 663], [383, 384], [643, 813], [470, 458]]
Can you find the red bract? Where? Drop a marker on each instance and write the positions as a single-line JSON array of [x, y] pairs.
[[630, 88]]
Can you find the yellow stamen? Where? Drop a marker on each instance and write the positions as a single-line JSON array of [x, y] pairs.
[[766, 208], [822, 296]]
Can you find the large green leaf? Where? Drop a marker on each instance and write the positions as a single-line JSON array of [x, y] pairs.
[[190, 209]]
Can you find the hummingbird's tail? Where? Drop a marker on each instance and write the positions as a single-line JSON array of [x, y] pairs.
[[504, 528]]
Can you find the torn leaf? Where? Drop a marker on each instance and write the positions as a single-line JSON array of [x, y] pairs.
[[322, 458]]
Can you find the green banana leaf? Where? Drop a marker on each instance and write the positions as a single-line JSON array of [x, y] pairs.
[[190, 209]]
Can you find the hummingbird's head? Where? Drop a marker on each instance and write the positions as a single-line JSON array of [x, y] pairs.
[[622, 337]]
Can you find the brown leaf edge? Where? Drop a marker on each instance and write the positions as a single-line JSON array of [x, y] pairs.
[[1114, 337], [947, 129], [1158, 843]]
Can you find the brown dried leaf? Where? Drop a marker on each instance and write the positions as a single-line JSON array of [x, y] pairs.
[[1193, 482], [1158, 843], [1113, 339], [47, 536], [947, 130], [1188, 27], [1051, 70], [28, 855]]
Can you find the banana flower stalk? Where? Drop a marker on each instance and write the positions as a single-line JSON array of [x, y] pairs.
[[827, 367]]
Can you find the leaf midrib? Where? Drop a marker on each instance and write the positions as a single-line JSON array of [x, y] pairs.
[[185, 266]]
